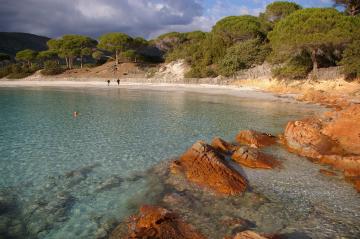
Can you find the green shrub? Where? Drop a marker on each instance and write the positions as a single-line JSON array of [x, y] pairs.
[[297, 68], [20, 71], [243, 55], [52, 68], [201, 72], [34, 67], [351, 60], [5, 71]]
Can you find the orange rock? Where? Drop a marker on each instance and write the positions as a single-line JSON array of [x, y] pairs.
[[305, 138], [248, 235], [159, 223], [253, 158], [205, 167], [357, 184], [223, 146], [327, 172], [344, 127], [324, 98], [350, 165], [255, 139]]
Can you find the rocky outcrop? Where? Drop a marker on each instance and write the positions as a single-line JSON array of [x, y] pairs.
[[344, 127], [203, 165], [158, 223], [350, 165], [305, 138], [174, 70], [223, 146], [253, 158], [333, 139], [324, 98], [255, 139]]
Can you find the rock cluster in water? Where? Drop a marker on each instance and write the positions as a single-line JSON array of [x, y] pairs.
[[202, 173]]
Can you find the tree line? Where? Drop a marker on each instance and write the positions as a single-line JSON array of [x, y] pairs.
[[295, 40]]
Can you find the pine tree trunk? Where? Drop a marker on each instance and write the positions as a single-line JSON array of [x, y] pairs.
[[81, 62], [315, 63], [352, 11], [117, 57], [67, 62]]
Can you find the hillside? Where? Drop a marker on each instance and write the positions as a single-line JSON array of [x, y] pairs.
[[12, 42]]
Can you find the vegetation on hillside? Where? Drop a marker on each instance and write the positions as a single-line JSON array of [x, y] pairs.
[[293, 39], [12, 42]]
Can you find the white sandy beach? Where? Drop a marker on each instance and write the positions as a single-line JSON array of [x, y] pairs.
[[233, 90]]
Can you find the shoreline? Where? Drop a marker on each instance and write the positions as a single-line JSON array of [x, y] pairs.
[[230, 90]]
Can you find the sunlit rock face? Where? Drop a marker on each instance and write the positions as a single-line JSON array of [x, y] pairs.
[[160, 223], [255, 139], [203, 165], [253, 158], [344, 127], [248, 235], [305, 138], [223, 146]]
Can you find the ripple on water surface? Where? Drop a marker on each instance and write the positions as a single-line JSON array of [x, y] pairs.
[[75, 177]]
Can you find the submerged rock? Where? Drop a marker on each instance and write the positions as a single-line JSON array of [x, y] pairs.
[[255, 139], [43, 215], [253, 158], [76, 176], [7, 202], [112, 182], [158, 223], [82, 171], [202, 165], [223, 146]]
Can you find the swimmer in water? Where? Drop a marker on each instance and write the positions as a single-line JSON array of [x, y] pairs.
[[75, 114]]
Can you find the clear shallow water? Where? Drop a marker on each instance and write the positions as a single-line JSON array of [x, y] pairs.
[[84, 171]]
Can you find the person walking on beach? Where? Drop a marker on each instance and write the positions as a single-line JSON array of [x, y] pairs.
[[118, 81], [108, 81]]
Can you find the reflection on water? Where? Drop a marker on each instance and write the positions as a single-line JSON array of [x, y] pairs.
[[65, 177]]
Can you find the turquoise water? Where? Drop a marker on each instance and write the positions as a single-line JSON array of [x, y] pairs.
[[67, 177]]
